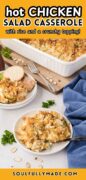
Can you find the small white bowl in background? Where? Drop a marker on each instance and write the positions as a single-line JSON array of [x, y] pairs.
[[30, 96]]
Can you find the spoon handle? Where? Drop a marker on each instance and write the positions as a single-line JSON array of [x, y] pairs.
[[76, 138]]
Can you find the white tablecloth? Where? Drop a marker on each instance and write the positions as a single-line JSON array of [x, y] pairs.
[[7, 120]]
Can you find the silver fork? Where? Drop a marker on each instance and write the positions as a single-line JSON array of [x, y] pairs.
[[33, 68]]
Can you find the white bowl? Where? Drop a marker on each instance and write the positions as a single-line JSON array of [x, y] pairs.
[[55, 148], [31, 95]]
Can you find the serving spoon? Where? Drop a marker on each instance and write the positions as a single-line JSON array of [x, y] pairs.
[[76, 138]]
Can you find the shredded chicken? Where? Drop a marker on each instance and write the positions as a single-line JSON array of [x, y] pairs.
[[42, 130], [15, 91]]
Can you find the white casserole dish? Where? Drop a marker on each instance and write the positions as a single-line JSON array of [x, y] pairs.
[[63, 68]]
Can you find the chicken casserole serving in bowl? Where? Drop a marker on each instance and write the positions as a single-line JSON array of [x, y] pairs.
[[43, 131]]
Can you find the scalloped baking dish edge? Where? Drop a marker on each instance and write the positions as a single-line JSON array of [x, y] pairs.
[[58, 66]]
